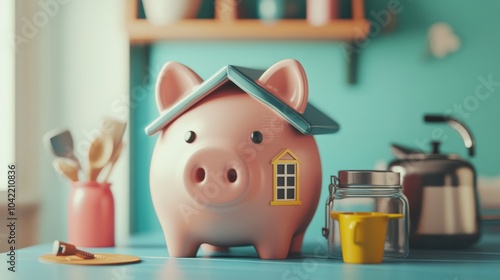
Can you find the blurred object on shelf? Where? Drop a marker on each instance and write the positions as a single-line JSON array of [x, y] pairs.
[[161, 12], [227, 10], [271, 10], [320, 12], [295, 9]]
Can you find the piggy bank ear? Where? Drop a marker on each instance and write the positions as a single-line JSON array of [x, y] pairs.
[[287, 81], [175, 81]]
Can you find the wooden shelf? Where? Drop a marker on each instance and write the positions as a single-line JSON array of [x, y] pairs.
[[141, 31]]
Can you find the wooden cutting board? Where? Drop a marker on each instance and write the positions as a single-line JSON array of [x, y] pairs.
[[100, 259]]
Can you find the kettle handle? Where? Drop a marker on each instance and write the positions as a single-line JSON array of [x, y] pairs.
[[458, 126]]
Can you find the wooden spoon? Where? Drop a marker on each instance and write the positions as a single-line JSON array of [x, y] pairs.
[[115, 129], [99, 154], [67, 167], [113, 160]]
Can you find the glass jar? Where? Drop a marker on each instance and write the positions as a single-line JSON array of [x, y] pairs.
[[368, 191]]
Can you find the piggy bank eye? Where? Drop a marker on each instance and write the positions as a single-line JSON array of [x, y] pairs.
[[257, 137], [190, 136]]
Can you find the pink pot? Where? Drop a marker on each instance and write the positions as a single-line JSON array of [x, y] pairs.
[[91, 219]]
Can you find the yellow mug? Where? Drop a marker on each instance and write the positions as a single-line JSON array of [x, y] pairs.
[[362, 235]]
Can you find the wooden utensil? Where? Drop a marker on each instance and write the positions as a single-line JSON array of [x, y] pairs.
[[60, 143], [113, 160], [115, 129], [67, 167], [99, 154]]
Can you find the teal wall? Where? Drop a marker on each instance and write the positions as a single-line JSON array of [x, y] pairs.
[[397, 84]]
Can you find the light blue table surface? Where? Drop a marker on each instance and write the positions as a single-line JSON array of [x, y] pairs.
[[479, 262]]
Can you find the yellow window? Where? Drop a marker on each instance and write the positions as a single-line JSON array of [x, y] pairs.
[[286, 183]]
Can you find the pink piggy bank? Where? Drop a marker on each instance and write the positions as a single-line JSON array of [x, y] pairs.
[[234, 163]]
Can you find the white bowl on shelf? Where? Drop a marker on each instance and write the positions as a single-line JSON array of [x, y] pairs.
[[161, 12]]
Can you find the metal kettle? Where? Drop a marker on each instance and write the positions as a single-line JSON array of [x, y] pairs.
[[442, 193]]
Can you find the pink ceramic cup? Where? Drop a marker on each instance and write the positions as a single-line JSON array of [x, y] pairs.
[[91, 219]]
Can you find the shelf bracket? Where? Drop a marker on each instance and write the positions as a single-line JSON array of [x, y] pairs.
[[352, 62]]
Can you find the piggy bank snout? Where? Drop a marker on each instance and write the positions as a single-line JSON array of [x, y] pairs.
[[216, 176]]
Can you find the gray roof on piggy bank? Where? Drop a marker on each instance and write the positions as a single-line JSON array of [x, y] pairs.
[[312, 121]]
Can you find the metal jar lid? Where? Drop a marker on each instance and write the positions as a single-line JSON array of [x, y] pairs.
[[368, 178]]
